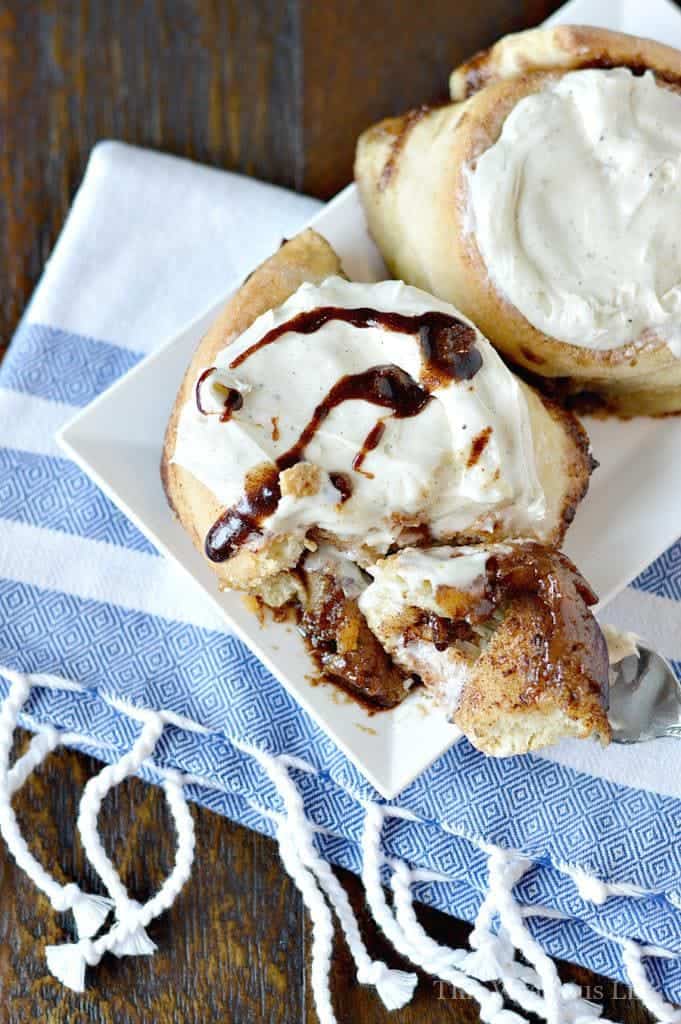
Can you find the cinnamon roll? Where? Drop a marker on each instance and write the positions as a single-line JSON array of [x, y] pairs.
[[368, 415], [324, 424], [545, 203]]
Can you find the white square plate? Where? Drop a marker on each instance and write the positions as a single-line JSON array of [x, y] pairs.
[[629, 517]]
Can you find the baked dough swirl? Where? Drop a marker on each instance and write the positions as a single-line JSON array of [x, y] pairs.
[[545, 203]]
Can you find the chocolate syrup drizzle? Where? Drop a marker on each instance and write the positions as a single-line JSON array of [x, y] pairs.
[[371, 441], [343, 484], [232, 399], [449, 353], [447, 343]]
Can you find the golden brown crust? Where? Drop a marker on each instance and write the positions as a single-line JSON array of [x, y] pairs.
[[577, 465], [419, 214], [544, 673], [307, 257], [564, 47], [618, 399], [509, 707]]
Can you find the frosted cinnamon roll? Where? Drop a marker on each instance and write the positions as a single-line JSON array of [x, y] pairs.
[[501, 635], [545, 203], [324, 423], [369, 416]]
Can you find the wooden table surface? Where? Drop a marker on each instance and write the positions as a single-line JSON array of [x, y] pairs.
[[278, 89]]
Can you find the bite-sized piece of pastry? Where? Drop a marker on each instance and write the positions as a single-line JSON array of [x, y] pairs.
[[369, 415], [545, 203], [347, 651], [503, 638]]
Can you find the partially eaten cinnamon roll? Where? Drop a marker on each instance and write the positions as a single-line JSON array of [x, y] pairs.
[[325, 424]]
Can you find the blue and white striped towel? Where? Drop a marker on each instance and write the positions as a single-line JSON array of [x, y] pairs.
[[150, 242]]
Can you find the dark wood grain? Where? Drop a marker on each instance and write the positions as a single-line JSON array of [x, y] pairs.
[[231, 949], [278, 89], [435, 1002], [218, 82], [387, 57]]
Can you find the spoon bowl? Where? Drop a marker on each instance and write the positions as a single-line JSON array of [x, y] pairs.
[[645, 698]]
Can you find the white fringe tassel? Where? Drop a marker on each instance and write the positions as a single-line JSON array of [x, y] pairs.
[[534, 986], [493, 958], [128, 936], [433, 958], [322, 923], [504, 872], [89, 910], [296, 833]]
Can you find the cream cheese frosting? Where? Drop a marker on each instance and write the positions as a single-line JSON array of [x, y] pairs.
[[412, 579], [421, 471], [576, 209]]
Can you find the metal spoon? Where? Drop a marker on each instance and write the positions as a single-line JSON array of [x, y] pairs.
[[645, 698]]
